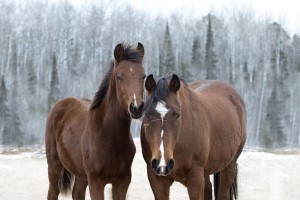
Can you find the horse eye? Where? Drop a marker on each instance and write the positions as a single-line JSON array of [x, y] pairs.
[[176, 114], [119, 77]]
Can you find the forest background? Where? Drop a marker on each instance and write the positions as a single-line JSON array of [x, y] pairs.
[[51, 50]]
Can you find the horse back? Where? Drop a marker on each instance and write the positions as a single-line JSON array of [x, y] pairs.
[[65, 126]]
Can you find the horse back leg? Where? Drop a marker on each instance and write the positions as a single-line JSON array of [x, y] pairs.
[[54, 170], [228, 182], [79, 189], [53, 176]]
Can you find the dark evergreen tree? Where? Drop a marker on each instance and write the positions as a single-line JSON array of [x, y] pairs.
[[210, 55], [4, 112], [276, 109], [186, 72], [15, 124], [231, 75], [274, 135], [246, 73], [31, 77], [296, 52], [6, 136], [54, 90], [197, 59], [196, 52], [167, 59]]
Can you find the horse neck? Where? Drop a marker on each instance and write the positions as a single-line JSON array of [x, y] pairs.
[[110, 118], [191, 102], [187, 96]]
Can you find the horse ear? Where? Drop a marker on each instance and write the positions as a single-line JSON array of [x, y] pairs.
[[119, 52], [140, 48], [150, 83], [174, 84]]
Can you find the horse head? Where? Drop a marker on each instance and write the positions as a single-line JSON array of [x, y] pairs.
[[128, 76], [161, 122]]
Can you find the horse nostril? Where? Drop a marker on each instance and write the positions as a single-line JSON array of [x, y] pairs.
[[154, 164], [170, 164], [132, 108], [141, 106]]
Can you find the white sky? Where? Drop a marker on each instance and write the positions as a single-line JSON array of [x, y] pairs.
[[286, 12]]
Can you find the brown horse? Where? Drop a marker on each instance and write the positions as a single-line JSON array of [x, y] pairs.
[[91, 140], [190, 131]]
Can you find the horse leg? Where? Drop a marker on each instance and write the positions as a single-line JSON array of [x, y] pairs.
[[208, 188], [96, 186], [196, 183], [160, 186], [119, 188], [228, 182], [79, 189], [54, 170], [53, 176]]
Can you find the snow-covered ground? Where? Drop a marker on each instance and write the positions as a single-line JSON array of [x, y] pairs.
[[268, 176]]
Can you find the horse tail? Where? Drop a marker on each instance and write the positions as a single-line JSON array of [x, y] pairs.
[[65, 181], [234, 186], [216, 184]]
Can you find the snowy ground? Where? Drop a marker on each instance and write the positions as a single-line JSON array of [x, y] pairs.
[[268, 176]]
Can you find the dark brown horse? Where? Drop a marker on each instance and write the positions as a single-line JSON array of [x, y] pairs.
[[91, 140], [190, 131]]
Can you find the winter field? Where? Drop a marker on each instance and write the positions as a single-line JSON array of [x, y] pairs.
[[269, 176]]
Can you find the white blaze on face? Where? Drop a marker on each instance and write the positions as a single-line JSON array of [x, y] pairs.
[[134, 100], [131, 69], [162, 110]]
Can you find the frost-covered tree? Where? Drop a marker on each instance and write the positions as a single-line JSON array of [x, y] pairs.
[[197, 58], [210, 55], [4, 112], [167, 59], [31, 77], [296, 52], [54, 83], [273, 135]]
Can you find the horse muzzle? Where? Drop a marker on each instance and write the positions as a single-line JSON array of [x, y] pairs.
[[136, 111], [162, 169]]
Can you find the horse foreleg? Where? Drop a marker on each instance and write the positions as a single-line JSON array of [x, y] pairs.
[[96, 186], [228, 187], [160, 185], [196, 183], [79, 189], [208, 188], [119, 188]]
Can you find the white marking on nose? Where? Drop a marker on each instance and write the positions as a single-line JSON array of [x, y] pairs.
[[162, 110], [131, 69], [134, 100], [162, 151]]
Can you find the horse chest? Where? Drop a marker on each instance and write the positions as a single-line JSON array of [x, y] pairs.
[[113, 170], [179, 175], [108, 165]]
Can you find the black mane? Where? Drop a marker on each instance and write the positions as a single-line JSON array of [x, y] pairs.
[[130, 54], [99, 95]]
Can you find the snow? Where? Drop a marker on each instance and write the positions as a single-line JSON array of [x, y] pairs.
[[262, 175]]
